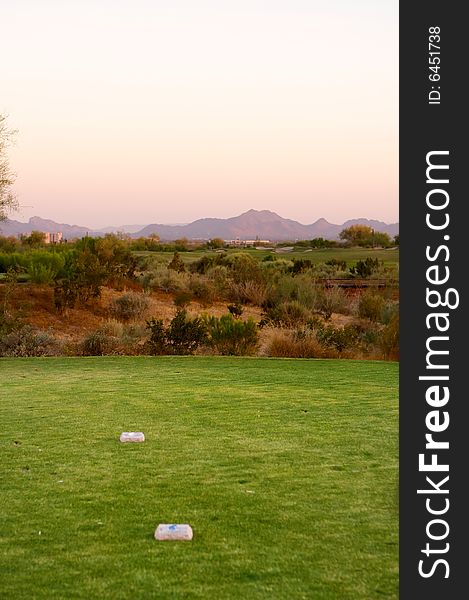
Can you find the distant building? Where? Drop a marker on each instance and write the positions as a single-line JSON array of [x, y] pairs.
[[246, 243], [53, 238]]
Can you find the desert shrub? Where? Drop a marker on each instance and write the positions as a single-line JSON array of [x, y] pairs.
[[231, 336], [41, 274], [365, 268], [66, 294], [290, 344], [8, 317], [300, 265], [340, 265], [201, 290], [26, 341], [371, 306], [388, 340], [129, 306], [177, 264], [113, 337], [390, 310], [219, 278], [159, 277], [323, 270], [133, 338], [357, 339], [247, 292], [315, 322], [204, 264], [287, 314], [92, 263], [284, 288], [307, 291], [331, 300], [184, 335], [338, 338], [182, 299], [8, 244], [281, 288], [113, 328], [15, 261], [243, 267], [275, 265], [54, 260], [235, 309], [157, 343], [99, 343]]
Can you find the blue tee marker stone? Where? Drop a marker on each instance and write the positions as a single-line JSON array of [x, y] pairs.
[[173, 531]]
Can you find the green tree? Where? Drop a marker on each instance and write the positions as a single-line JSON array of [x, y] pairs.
[[357, 235], [363, 235], [35, 239], [7, 178]]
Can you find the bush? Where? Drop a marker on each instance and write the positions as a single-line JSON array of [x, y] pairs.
[[243, 267], [16, 262], [177, 264], [340, 265], [371, 306], [157, 344], [365, 268], [25, 341], [182, 299], [161, 278], [338, 338], [201, 290], [231, 336], [235, 309], [331, 300], [283, 288], [288, 344], [300, 265], [41, 274], [99, 343], [389, 339], [183, 335], [129, 306], [247, 292], [218, 278], [133, 339], [114, 338], [112, 328], [287, 314]]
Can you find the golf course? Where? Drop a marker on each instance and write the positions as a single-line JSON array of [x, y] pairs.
[[286, 469]]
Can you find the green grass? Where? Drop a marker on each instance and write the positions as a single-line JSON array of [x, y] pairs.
[[390, 257], [286, 470]]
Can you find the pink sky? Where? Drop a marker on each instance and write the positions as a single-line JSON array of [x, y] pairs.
[[167, 111]]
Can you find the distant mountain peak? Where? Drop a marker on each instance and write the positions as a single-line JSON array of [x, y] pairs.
[[252, 224]]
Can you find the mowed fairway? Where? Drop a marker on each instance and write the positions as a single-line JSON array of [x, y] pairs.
[[286, 470]]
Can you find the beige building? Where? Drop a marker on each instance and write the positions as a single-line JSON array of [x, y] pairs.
[[53, 238]]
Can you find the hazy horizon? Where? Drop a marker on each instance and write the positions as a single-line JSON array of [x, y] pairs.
[[158, 111], [156, 222]]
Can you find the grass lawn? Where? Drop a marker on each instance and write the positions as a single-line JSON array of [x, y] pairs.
[[390, 257], [286, 470]]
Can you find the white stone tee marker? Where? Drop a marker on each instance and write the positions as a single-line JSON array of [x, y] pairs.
[[169, 532], [132, 436]]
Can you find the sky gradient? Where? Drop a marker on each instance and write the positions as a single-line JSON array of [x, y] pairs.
[[167, 111]]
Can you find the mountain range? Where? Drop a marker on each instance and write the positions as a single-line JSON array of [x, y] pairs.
[[261, 224]]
